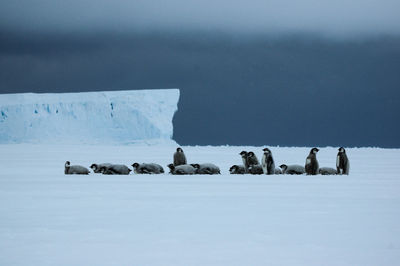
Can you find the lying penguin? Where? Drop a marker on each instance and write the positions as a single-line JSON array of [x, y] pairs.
[[96, 167], [237, 169], [327, 171], [293, 169], [184, 169], [115, 169], [75, 169], [206, 169], [147, 168]]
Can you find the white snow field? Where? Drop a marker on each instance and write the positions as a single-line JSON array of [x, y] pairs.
[[88, 117], [48, 218]]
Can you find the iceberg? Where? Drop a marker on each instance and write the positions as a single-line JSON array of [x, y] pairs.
[[129, 116]]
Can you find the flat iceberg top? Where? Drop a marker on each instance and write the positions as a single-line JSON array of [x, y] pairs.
[[88, 117], [67, 97]]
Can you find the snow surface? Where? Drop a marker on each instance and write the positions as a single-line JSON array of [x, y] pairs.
[[88, 117], [48, 218]]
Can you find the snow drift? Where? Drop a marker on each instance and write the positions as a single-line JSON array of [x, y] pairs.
[[88, 117]]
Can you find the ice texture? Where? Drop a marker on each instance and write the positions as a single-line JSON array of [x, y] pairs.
[[49, 218], [88, 117]]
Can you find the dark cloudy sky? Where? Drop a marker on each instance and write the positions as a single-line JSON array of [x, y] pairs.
[[327, 17], [304, 73]]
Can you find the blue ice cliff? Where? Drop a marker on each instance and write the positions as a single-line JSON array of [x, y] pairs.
[[88, 117]]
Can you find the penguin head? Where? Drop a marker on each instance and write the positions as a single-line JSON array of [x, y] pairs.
[[243, 153], [135, 165], [233, 168], [342, 150], [250, 154], [179, 149], [283, 166], [171, 166], [267, 151], [67, 164], [195, 165], [314, 150], [93, 166]]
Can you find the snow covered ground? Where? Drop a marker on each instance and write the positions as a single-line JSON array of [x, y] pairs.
[[48, 218]]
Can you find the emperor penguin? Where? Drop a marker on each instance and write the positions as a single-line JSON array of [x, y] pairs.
[[75, 169], [183, 169], [96, 167], [206, 169], [294, 169], [267, 162], [237, 170], [147, 168], [327, 171], [342, 162], [252, 159], [115, 169], [256, 169], [179, 157], [312, 165], [245, 161]]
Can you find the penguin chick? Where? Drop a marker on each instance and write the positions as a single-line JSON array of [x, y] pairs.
[[96, 167], [293, 169], [206, 169], [115, 169], [147, 168], [252, 159], [342, 162], [267, 162], [184, 169], [243, 154], [179, 157], [75, 169], [237, 170], [312, 162], [256, 169], [327, 171]]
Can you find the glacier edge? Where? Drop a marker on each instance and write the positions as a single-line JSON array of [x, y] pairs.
[[130, 116]]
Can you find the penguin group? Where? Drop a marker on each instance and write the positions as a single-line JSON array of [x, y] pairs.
[[251, 165], [178, 167]]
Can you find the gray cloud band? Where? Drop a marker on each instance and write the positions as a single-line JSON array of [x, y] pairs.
[[255, 16]]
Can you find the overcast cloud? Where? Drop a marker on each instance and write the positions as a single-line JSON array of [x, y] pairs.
[[339, 17]]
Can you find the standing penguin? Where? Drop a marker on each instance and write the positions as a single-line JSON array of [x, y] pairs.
[[252, 159], [342, 162], [267, 162], [312, 165], [245, 161], [179, 157]]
